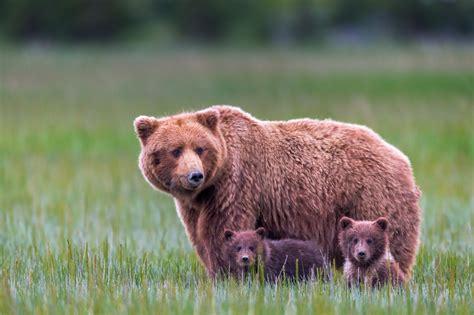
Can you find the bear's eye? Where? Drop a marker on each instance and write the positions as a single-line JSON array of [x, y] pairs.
[[176, 152], [199, 150], [355, 240], [251, 248], [155, 158], [369, 241], [239, 248]]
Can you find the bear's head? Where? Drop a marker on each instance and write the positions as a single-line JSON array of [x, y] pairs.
[[243, 248], [363, 242], [180, 154]]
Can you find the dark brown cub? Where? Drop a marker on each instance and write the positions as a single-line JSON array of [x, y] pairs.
[[281, 259]]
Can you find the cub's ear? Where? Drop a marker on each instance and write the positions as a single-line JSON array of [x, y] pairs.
[[229, 235], [382, 223], [346, 223], [208, 118], [261, 232], [144, 127]]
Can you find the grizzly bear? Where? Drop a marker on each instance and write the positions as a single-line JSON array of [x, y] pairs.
[[281, 259], [297, 178], [365, 247]]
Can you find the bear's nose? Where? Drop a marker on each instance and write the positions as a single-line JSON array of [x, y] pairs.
[[245, 258], [195, 178], [361, 254]]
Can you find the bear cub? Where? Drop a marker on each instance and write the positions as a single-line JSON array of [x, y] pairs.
[[365, 247], [281, 259]]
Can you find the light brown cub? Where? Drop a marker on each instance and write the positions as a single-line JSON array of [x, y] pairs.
[[365, 247]]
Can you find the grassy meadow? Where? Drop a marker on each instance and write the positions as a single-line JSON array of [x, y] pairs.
[[82, 232]]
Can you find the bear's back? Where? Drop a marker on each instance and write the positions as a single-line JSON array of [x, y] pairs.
[[296, 136]]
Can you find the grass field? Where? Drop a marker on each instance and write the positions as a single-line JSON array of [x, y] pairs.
[[82, 232]]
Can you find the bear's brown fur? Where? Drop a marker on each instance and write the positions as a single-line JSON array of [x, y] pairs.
[[366, 250], [295, 178], [281, 259]]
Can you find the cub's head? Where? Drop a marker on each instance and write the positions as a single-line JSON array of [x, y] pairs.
[[244, 247], [363, 242], [180, 154]]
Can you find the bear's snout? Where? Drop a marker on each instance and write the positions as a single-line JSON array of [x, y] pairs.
[[361, 255], [195, 178]]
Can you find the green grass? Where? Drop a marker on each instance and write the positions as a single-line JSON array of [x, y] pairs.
[[82, 232]]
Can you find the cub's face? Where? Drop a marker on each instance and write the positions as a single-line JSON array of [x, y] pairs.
[[243, 248], [363, 242], [180, 154]]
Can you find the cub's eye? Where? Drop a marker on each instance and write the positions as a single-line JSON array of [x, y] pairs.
[[239, 248], [355, 240], [369, 241], [177, 152], [251, 248], [199, 150]]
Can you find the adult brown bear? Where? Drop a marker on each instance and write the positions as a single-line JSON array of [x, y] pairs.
[[297, 178]]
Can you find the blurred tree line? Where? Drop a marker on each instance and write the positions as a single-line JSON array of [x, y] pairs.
[[215, 20]]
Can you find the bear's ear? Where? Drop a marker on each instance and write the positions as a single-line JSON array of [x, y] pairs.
[[229, 235], [346, 223], [261, 232], [382, 223], [208, 118], [144, 127]]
